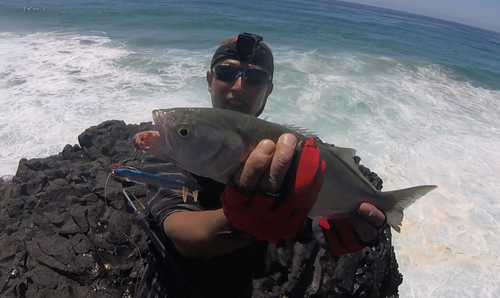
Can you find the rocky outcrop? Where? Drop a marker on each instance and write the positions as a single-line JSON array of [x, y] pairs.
[[65, 232], [64, 228]]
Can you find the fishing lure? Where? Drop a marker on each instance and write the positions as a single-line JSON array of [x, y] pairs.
[[151, 179]]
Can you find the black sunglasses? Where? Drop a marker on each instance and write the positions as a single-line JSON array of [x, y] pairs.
[[229, 73]]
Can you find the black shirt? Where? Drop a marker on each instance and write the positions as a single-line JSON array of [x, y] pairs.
[[259, 269]]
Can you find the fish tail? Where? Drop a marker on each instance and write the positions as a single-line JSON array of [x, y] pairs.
[[400, 200]]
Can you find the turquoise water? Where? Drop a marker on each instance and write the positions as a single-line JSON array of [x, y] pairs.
[[419, 99]]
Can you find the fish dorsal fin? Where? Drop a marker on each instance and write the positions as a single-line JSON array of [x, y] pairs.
[[346, 156], [303, 131]]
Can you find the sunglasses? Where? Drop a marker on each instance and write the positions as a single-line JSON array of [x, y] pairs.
[[229, 73]]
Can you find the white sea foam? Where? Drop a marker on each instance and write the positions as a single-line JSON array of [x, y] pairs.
[[54, 85], [412, 124], [417, 125]]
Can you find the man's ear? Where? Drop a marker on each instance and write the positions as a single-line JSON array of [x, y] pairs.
[[210, 76], [270, 87], [269, 90]]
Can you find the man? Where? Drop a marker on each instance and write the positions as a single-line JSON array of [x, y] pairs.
[[217, 245]]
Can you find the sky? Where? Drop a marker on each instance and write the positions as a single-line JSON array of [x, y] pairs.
[[478, 13]]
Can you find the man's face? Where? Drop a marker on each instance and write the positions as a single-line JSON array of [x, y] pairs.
[[238, 95]]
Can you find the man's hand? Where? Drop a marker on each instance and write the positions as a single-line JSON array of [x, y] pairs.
[[351, 234], [368, 226], [267, 164], [266, 214], [266, 168]]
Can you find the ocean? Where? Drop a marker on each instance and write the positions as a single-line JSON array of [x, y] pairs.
[[418, 98]]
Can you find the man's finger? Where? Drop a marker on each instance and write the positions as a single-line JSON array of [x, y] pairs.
[[374, 216], [285, 149], [256, 165], [366, 221]]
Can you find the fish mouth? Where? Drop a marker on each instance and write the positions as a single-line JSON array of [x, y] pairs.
[[160, 119]]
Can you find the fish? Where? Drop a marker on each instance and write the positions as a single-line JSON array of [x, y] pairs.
[[214, 143]]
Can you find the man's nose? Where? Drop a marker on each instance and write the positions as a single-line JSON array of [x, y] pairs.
[[238, 83]]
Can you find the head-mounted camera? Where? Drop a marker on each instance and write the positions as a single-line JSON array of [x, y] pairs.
[[246, 45]]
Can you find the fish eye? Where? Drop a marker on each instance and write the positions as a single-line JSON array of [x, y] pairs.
[[183, 131]]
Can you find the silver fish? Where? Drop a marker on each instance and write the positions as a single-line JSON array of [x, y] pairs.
[[214, 143]]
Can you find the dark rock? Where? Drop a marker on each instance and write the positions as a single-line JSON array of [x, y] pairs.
[[34, 164], [54, 217], [43, 277], [84, 265], [79, 189], [7, 248], [62, 252], [30, 202], [85, 140], [15, 207], [5, 183], [81, 244], [52, 208], [68, 215], [34, 186], [119, 228], [69, 227], [79, 214], [66, 152]]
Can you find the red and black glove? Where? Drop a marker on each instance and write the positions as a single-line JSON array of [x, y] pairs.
[[341, 238], [269, 217]]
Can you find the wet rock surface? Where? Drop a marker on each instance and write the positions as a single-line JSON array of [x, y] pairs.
[[64, 230]]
